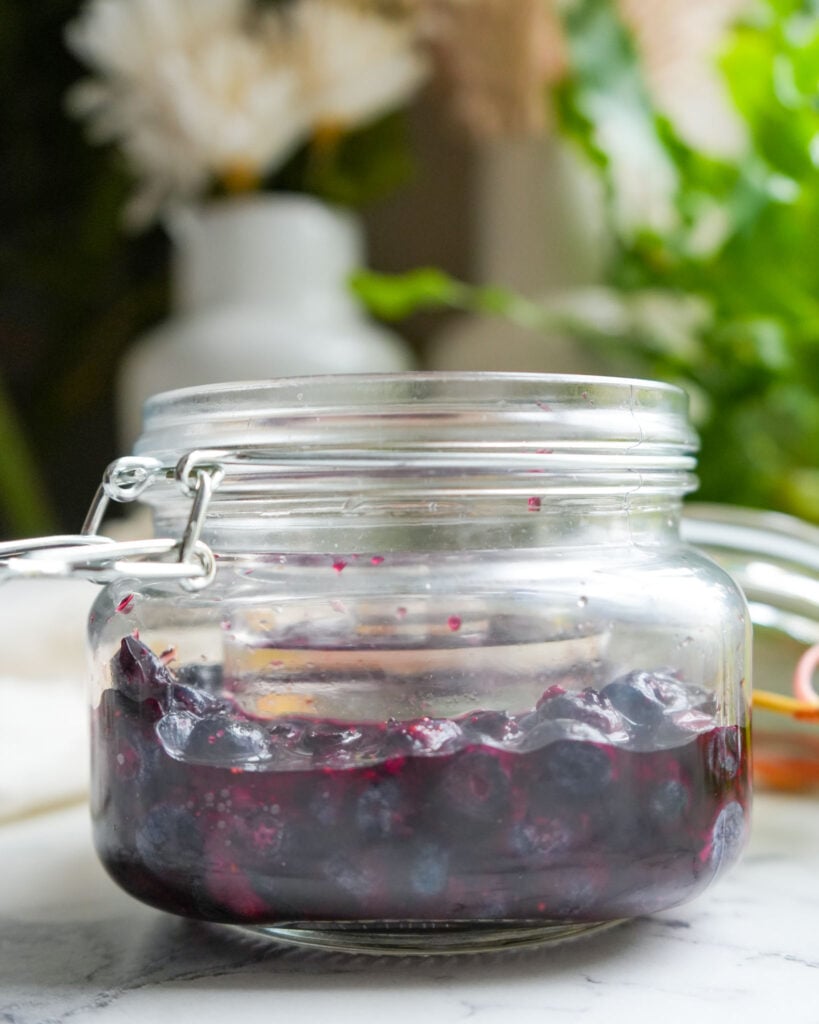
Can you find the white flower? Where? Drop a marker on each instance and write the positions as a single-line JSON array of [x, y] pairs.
[[194, 92], [120, 37], [357, 65]]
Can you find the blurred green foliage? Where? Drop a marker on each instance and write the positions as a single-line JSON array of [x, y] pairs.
[[756, 357], [723, 298]]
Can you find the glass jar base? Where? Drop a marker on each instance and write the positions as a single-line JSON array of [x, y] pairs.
[[428, 938]]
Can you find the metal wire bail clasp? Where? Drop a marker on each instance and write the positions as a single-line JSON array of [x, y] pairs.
[[102, 559]]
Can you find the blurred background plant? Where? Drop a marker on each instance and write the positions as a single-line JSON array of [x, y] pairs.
[[696, 119], [191, 100], [712, 208]]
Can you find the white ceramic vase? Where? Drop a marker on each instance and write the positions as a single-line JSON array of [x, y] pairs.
[[259, 290]]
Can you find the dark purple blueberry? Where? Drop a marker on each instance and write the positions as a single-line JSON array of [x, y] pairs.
[[586, 706], [197, 702], [540, 840], [116, 709], [677, 696], [174, 731], [668, 802], [352, 875], [325, 807], [168, 840], [379, 810], [575, 891], [724, 754], [258, 839], [576, 770], [429, 869], [138, 673], [474, 788], [637, 699], [225, 741], [727, 836]]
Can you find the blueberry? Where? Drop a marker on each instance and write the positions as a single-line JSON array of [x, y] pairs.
[[429, 870], [575, 892], [378, 810], [727, 836], [637, 699], [258, 839], [475, 788], [168, 839], [539, 840], [677, 696], [138, 673], [575, 769], [724, 754], [116, 712], [197, 702], [587, 706], [174, 731], [351, 875], [221, 740], [324, 806], [668, 802]]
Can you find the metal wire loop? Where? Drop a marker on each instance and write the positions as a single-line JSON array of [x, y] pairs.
[[123, 481], [101, 559], [191, 466]]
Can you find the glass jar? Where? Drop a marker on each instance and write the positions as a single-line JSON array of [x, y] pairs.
[[456, 683]]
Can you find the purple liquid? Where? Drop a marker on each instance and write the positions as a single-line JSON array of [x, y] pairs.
[[590, 807]]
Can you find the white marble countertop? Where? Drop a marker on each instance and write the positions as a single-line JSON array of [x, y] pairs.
[[74, 948]]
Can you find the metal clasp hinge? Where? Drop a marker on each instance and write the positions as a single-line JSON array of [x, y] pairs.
[[101, 559]]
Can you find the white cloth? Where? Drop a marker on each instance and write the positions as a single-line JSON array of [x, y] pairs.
[[44, 672]]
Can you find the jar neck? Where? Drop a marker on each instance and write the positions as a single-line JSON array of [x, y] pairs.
[[348, 528]]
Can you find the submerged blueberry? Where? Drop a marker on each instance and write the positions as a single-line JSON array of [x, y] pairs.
[[379, 810], [576, 769], [668, 801], [429, 869], [727, 836], [540, 840], [724, 750], [475, 787], [168, 839]]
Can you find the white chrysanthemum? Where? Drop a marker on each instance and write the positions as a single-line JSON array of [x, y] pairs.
[[188, 107], [357, 65], [121, 37]]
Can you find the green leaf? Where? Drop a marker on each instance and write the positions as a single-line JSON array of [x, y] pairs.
[[396, 296]]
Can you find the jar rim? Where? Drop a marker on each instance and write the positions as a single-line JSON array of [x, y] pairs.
[[429, 410]]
